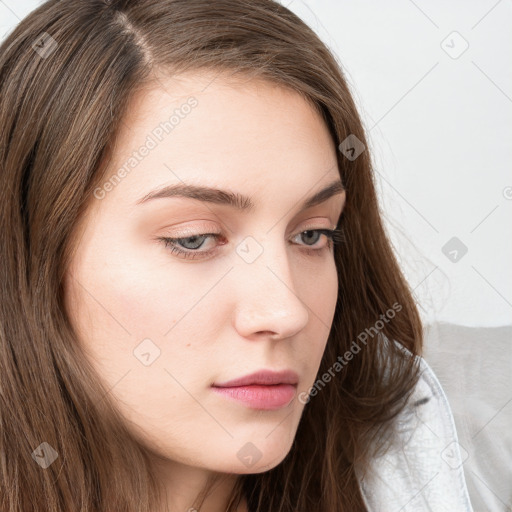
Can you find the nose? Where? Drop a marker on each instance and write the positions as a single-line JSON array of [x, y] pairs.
[[267, 298]]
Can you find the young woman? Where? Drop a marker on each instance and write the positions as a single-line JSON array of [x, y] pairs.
[[201, 309]]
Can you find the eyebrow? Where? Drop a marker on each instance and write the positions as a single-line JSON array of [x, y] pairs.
[[234, 200]]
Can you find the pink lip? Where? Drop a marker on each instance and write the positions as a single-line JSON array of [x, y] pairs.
[[262, 377], [260, 397], [264, 389]]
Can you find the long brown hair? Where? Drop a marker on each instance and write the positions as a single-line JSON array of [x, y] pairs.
[[67, 73]]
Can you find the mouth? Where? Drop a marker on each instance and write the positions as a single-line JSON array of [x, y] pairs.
[[259, 396], [263, 390]]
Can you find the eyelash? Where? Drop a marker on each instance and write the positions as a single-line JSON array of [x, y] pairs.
[[334, 236]]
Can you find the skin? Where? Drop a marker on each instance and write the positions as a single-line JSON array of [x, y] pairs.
[[218, 317]]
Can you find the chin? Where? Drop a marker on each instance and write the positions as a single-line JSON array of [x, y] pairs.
[[257, 455]]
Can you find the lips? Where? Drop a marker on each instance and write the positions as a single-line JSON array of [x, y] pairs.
[[263, 390], [262, 378]]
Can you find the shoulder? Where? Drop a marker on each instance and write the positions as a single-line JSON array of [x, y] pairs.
[[422, 470]]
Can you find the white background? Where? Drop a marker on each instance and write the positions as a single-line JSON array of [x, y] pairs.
[[439, 123]]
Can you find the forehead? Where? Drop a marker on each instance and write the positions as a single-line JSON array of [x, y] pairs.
[[221, 131], [225, 106]]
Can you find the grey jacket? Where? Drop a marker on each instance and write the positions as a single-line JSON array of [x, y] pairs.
[[423, 471]]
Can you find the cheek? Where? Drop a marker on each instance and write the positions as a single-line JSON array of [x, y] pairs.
[[144, 337], [321, 301], [320, 293], [128, 291], [126, 305]]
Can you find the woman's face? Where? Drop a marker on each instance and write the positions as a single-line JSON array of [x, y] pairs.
[[161, 328]]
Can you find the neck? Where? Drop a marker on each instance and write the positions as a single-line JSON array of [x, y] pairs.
[[193, 489]]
